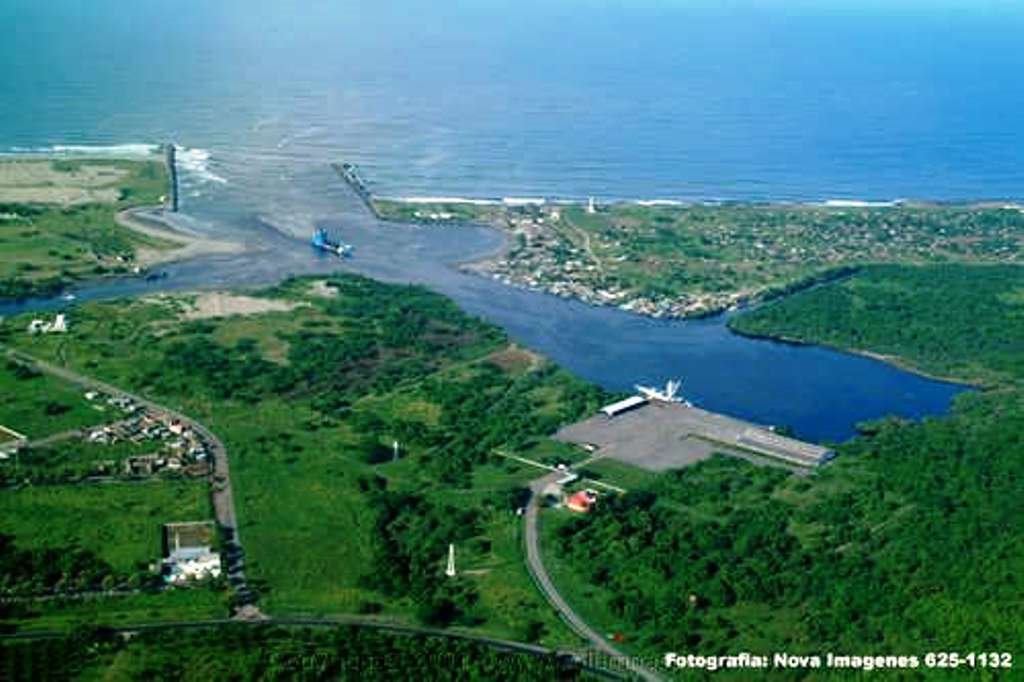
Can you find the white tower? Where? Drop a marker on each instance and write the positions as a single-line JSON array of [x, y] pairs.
[[450, 569], [591, 208]]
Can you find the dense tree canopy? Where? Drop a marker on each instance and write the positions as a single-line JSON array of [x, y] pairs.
[[910, 541]]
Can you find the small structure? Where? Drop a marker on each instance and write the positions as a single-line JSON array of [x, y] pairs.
[[570, 477], [450, 568], [58, 326], [188, 548], [581, 501], [142, 465], [630, 403]]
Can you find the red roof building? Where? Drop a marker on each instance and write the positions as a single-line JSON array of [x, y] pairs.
[[581, 501]]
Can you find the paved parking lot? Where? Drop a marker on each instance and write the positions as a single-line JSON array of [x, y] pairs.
[[661, 436]]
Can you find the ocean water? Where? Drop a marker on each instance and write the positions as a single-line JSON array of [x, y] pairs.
[[746, 100], [681, 99]]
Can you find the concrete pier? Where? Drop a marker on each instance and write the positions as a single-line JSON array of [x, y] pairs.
[[350, 174], [172, 174]]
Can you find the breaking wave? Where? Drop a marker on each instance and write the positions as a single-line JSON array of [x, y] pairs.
[[117, 151], [195, 163]]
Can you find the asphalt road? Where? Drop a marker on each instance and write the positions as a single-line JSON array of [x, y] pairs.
[[540, 575], [223, 501], [342, 621], [224, 509]]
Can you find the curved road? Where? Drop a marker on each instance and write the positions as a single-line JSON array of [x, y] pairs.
[[224, 509], [223, 501], [342, 621], [544, 582]]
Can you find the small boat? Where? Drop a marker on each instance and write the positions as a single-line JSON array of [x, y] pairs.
[[323, 242]]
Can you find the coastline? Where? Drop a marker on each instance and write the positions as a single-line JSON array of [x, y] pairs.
[[539, 255], [831, 202], [150, 221]]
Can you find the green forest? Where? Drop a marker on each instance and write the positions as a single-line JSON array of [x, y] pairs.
[[909, 541], [950, 320], [272, 653]]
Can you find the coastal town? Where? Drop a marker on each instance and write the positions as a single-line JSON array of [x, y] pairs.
[[678, 260]]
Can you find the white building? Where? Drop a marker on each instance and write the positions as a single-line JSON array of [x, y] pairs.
[[58, 326], [194, 567], [189, 553], [626, 405]]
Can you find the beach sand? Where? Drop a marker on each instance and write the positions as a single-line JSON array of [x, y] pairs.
[[150, 222]]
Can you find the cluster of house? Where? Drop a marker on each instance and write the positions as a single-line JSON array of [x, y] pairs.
[[58, 326], [545, 261], [181, 448]]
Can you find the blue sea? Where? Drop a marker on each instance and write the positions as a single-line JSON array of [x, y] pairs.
[[742, 99], [757, 100]]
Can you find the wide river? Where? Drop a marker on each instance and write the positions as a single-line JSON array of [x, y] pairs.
[[820, 393], [753, 99]]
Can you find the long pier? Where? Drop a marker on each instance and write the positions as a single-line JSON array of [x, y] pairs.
[[172, 173], [350, 174]]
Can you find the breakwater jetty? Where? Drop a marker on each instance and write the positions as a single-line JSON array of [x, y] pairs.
[[170, 159], [349, 172]]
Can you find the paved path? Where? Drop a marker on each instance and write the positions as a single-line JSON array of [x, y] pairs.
[[544, 582], [223, 501]]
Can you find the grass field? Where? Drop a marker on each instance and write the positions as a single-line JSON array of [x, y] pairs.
[[119, 611], [71, 459], [618, 473], [442, 212], [38, 406], [120, 522], [57, 220], [309, 402]]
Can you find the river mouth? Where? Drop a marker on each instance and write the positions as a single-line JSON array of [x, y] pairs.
[[821, 394]]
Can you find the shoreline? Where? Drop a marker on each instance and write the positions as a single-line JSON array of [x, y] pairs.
[[893, 360], [833, 202], [149, 221], [507, 267]]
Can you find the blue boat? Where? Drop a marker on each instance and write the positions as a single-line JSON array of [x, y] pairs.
[[322, 241]]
